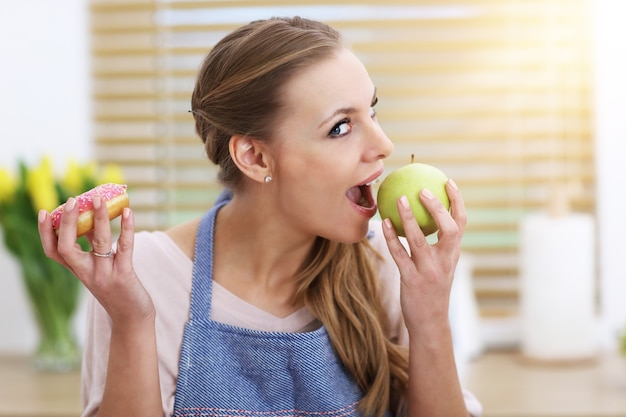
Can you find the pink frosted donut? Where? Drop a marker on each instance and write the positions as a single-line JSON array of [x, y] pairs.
[[113, 195]]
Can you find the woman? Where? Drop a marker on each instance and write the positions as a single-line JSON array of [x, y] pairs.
[[284, 299]]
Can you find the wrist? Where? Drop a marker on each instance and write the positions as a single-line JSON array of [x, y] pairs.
[[431, 332]]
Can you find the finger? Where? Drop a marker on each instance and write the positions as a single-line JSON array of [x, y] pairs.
[[452, 225], [47, 236], [412, 231], [457, 205], [397, 250], [101, 242], [126, 240], [67, 246], [447, 227]]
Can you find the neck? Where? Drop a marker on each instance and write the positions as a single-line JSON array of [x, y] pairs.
[[256, 257]]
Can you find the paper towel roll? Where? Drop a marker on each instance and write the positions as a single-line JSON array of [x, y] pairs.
[[557, 267]]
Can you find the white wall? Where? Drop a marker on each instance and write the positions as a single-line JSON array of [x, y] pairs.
[[44, 103], [610, 127]]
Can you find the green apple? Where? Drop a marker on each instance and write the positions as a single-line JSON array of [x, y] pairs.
[[410, 180]]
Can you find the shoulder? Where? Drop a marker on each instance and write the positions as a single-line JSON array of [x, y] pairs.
[[158, 248], [184, 236], [162, 266], [155, 243]]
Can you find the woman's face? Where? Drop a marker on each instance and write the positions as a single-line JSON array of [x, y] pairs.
[[327, 149]]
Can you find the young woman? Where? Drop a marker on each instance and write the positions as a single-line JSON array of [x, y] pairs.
[[285, 299]]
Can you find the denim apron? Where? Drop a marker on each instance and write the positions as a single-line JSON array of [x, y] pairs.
[[231, 371]]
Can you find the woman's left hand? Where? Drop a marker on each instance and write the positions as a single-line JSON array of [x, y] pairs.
[[427, 271]]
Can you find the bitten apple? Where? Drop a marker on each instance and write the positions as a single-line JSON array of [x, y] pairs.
[[410, 180]]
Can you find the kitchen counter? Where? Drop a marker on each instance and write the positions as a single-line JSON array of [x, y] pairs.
[[510, 386], [27, 392]]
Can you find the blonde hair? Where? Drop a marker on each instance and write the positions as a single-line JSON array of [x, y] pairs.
[[239, 91], [340, 288]]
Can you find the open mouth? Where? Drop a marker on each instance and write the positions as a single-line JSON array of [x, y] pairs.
[[362, 195]]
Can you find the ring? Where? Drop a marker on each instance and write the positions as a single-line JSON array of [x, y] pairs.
[[103, 255]]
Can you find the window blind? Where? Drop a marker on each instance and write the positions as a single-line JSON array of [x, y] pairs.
[[496, 93]]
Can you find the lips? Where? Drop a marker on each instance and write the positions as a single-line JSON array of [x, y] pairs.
[[362, 195]]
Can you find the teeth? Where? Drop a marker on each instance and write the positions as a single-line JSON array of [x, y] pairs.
[[372, 182]]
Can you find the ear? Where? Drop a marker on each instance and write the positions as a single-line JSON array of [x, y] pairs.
[[251, 157]]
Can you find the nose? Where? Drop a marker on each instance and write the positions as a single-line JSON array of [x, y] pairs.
[[379, 145]]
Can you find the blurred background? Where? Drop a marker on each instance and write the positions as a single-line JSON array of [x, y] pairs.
[[521, 102]]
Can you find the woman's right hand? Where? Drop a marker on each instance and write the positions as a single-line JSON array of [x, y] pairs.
[[111, 280], [132, 377]]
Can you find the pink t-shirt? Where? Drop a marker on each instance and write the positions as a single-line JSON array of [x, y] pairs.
[[165, 272]]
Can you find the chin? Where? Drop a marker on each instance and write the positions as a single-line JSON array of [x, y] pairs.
[[357, 234]]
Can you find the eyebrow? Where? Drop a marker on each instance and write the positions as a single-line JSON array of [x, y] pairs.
[[346, 110]]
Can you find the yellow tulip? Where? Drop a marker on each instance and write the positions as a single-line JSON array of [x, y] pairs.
[[41, 186], [8, 185], [89, 171], [72, 181], [111, 173]]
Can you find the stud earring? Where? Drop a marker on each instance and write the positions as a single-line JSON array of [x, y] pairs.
[[268, 178]]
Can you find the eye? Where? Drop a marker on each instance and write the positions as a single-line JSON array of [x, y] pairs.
[[341, 129], [373, 109]]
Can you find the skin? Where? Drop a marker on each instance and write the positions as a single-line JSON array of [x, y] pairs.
[[327, 140], [426, 281]]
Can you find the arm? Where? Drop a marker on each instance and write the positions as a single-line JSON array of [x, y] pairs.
[[132, 384], [426, 279], [434, 387]]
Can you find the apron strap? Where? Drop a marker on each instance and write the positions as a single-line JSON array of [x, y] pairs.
[[202, 275]]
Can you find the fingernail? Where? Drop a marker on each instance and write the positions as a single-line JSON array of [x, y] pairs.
[[71, 203], [453, 184], [404, 201], [427, 194], [387, 223], [42, 216], [96, 202]]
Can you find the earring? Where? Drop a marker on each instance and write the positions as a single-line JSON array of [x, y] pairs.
[[268, 178]]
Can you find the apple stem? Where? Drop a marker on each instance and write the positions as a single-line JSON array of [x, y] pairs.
[[412, 157]]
